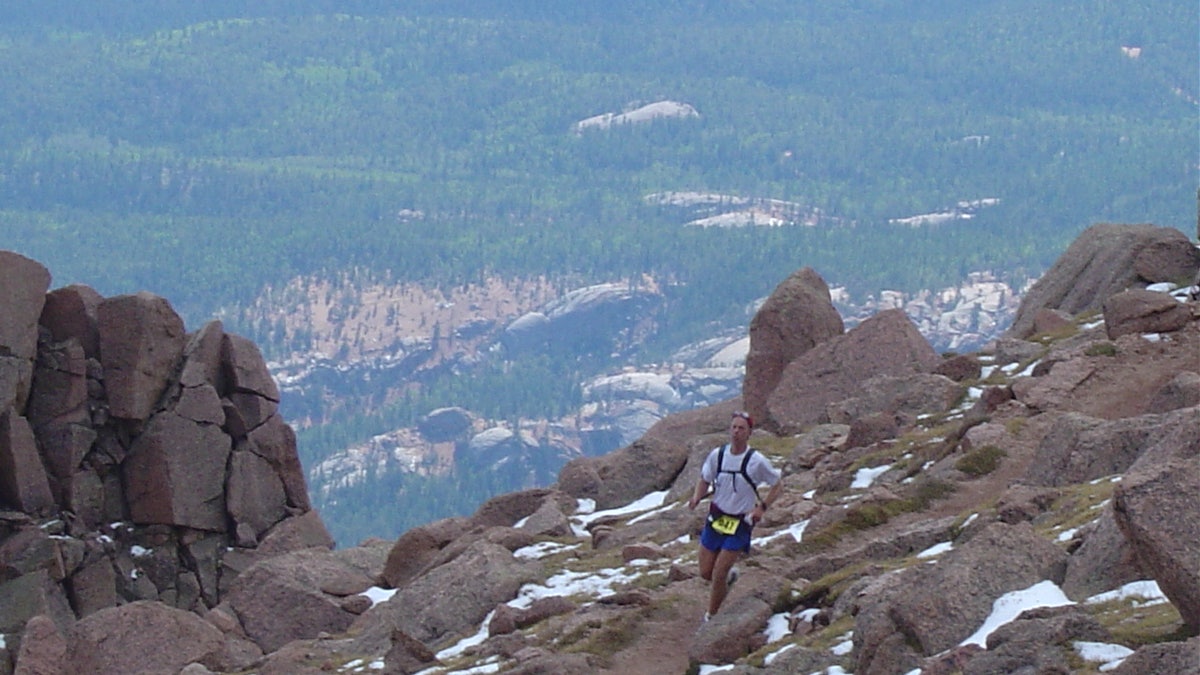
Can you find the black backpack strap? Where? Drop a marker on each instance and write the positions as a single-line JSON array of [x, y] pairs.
[[746, 474], [745, 462]]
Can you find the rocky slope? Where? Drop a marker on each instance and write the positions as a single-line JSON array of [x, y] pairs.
[[157, 520]]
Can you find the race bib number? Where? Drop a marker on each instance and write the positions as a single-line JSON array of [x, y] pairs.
[[726, 524]]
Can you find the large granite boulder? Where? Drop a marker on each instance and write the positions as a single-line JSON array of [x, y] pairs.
[[71, 312], [24, 484], [141, 637], [1155, 508], [418, 548], [175, 474], [294, 596], [24, 282], [1078, 448], [797, 316], [59, 394], [736, 630], [1104, 561], [482, 576], [141, 340], [886, 344], [1102, 261], [1140, 311], [141, 469]]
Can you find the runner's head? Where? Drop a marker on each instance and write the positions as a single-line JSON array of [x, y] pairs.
[[740, 425]]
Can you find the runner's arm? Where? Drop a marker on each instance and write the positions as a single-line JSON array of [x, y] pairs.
[[699, 493], [772, 495]]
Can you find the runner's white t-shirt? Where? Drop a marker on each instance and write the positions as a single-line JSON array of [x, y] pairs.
[[731, 492]]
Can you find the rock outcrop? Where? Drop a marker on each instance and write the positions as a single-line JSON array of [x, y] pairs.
[[601, 317], [154, 518], [835, 370], [1104, 260], [142, 468], [797, 316]]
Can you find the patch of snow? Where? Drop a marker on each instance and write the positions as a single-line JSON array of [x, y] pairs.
[[1146, 590], [1109, 655], [796, 530], [864, 477], [809, 614], [844, 647], [1008, 606], [567, 583], [936, 550], [462, 645], [542, 549], [1028, 372], [777, 628], [1067, 535], [650, 501], [481, 670], [650, 514], [378, 595]]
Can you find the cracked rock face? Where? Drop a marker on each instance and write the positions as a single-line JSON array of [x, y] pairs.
[[151, 464]]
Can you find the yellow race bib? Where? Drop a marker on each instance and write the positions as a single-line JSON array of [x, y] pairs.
[[726, 524]]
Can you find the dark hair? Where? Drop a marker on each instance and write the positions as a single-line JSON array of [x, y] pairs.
[[744, 415]]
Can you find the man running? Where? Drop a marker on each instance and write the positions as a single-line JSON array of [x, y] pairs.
[[734, 471]]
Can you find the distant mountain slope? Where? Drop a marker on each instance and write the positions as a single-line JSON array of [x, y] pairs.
[[238, 147]]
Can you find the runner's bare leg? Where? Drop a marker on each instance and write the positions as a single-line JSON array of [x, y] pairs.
[[720, 570], [707, 558]]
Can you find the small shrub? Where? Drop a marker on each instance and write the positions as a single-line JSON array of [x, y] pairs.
[[1101, 349], [931, 490], [981, 461], [867, 516], [1057, 335], [825, 590], [1015, 425], [612, 636]]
